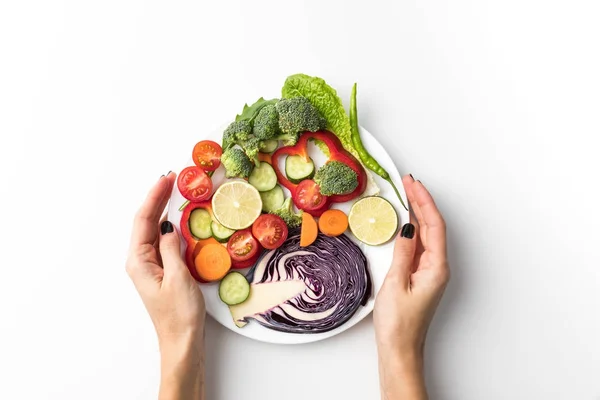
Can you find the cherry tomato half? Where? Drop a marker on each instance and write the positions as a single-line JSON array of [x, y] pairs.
[[270, 230], [207, 155], [194, 184], [308, 196], [242, 246]]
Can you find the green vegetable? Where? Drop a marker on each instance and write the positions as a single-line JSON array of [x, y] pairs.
[[236, 163], [325, 99], [236, 133], [297, 114], [269, 146], [297, 168], [335, 177], [220, 233], [287, 214], [266, 124], [250, 112], [273, 199], [263, 177], [199, 223], [234, 289], [367, 159], [252, 147]]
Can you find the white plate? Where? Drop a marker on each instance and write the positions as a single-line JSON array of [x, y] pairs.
[[379, 257]]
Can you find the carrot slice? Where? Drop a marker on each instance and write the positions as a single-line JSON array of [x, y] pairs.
[[265, 157], [309, 231], [333, 222], [203, 242], [212, 262]]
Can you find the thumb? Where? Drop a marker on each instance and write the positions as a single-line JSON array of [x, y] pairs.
[[404, 254], [169, 248]]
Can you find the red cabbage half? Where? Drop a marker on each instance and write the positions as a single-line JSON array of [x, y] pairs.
[[336, 278]]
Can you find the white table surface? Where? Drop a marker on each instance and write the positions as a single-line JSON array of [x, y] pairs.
[[492, 104]]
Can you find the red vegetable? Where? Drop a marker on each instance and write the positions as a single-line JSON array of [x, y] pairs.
[[207, 155], [270, 230], [337, 153], [190, 241], [243, 248], [307, 197], [194, 184]]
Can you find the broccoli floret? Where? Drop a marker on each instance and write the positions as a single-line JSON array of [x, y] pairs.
[[236, 132], [288, 139], [286, 213], [298, 115], [252, 147], [266, 124], [236, 163], [335, 177]]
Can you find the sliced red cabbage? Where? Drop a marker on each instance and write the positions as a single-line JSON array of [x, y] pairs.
[[336, 283]]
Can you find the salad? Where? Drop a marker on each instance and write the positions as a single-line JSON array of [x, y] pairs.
[[263, 217]]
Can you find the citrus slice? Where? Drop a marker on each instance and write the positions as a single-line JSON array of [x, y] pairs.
[[236, 204], [373, 220]]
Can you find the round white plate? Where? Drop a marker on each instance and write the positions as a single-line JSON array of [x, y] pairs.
[[379, 257]]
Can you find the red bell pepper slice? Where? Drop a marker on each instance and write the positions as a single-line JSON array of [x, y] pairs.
[[337, 153], [190, 240]]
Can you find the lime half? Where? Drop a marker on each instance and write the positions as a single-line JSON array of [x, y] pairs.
[[236, 204], [373, 220]]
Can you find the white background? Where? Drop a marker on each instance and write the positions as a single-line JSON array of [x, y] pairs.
[[494, 105]]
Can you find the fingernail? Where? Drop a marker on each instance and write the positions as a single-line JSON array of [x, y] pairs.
[[166, 227], [408, 231], [413, 178], [162, 176], [168, 173]]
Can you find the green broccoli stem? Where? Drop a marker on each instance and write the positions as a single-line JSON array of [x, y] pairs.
[[397, 192]]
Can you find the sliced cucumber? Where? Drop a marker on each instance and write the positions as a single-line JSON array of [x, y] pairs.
[[220, 232], [234, 289], [269, 146], [263, 177], [297, 169], [272, 199], [200, 221]]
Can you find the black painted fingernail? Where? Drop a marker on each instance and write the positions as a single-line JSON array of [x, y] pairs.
[[168, 173], [413, 178], [162, 176], [166, 227], [408, 231]]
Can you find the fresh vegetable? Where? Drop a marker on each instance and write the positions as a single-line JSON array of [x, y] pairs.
[[269, 146], [306, 289], [297, 168], [192, 243], [236, 133], [309, 230], [326, 100], [201, 243], [337, 153], [234, 288], [335, 177], [236, 204], [212, 262], [221, 233], [367, 159], [207, 155], [270, 231], [266, 124], [333, 223], [199, 223], [194, 184], [250, 112], [308, 197], [373, 220], [287, 213], [243, 249], [272, 199], [264, 157], [236, 163], [297, 114], [263, 177]]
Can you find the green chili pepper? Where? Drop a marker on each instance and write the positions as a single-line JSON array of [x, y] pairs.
[[368, 160]]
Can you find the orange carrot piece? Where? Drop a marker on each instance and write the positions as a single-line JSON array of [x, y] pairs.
[[333, 222], [265, 157], [212, 262], [203, 242], [309, 231]]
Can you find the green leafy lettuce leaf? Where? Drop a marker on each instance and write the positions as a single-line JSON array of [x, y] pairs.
[[325, 99], [250, 112]]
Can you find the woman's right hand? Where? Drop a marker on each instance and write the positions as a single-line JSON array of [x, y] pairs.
[[410, 294]]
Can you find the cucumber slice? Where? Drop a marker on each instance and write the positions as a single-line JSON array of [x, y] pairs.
[[273, 199], [220, 232], [297, 169], [234, 289], [263, 177], [199, 222], [269, 146]]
